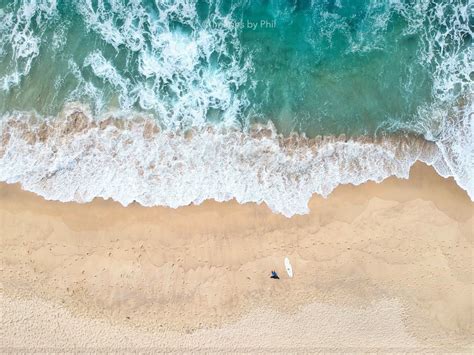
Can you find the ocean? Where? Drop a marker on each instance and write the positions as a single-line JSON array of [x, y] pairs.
[[174, 102]]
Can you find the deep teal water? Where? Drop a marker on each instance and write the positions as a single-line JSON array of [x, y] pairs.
[[325, 69], [320, 67]]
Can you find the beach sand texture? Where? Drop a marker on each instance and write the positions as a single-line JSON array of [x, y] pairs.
[[377, 267]]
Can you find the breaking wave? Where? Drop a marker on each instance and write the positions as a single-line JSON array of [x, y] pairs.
[[76, 158]]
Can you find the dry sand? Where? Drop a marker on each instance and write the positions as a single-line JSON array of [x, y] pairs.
[[378, 267]]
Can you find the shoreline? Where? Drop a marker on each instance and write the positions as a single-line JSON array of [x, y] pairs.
[[400, 248], [76, 158]]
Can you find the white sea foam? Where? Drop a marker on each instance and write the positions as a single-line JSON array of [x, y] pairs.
[[174, 75], [77, 159], [17, 35]]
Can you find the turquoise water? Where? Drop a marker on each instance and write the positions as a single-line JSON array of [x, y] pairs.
[[315, 67], [327, 69], [320, 67]]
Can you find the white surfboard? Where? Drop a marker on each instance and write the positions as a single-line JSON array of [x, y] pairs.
[[288, 267]]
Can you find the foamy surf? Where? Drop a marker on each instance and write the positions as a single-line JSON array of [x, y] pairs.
[[76, 158]]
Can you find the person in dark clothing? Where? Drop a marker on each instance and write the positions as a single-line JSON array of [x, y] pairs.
[[274, 275]]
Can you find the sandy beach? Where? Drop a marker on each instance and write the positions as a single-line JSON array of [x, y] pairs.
[[377, 267]]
